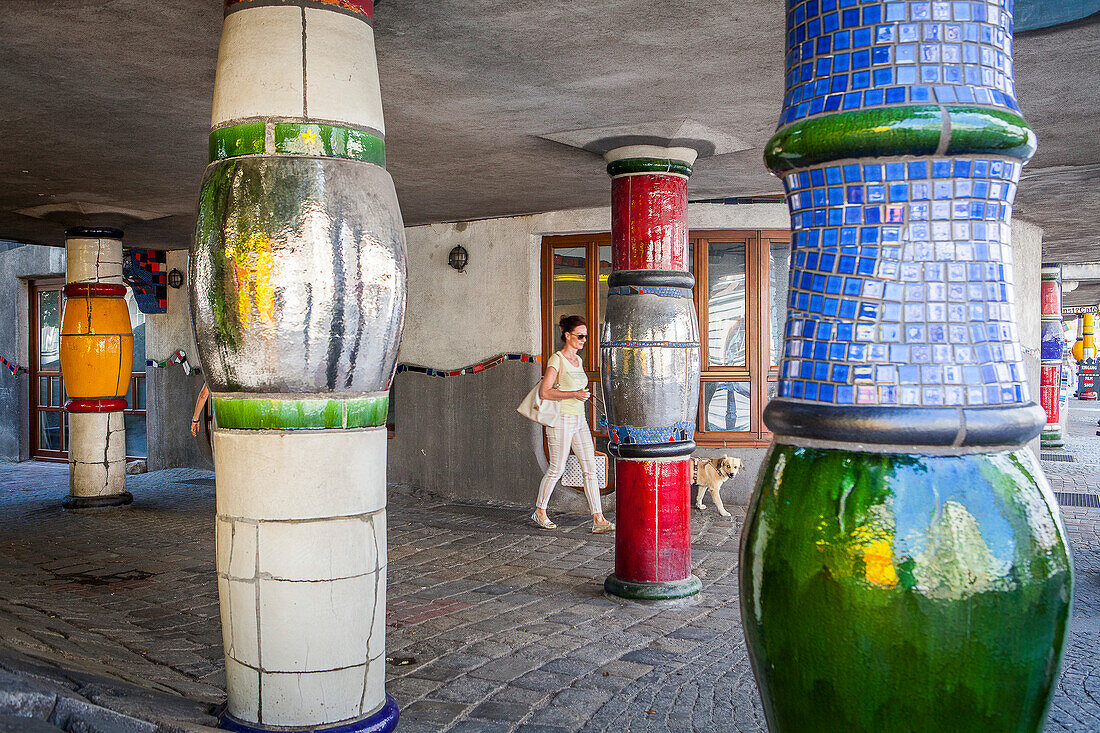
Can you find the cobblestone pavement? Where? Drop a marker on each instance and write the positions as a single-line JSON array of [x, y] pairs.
[[493, 624]]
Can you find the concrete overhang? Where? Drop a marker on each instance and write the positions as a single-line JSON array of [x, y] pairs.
[[108, 107]]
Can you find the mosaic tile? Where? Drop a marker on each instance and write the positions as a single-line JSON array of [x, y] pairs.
[[845, 55], [901, 284]]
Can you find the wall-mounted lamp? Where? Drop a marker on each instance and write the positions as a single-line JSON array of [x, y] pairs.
[[458, 258], [175, 278]]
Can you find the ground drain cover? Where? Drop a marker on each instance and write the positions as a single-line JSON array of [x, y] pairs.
[[1087, 501], [1064, 457], [199, 481]]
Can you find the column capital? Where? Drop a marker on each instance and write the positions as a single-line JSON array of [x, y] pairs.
[[635, 159]]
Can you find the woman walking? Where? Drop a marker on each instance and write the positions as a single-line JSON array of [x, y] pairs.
[[566, 381]]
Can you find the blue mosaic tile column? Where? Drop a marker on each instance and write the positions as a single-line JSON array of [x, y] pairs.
[[898, 506]]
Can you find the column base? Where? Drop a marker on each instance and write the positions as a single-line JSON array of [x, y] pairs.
[[636, 590], [1051, 440], [98, 502], [382, 720]]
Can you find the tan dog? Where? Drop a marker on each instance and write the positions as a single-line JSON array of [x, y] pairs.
[[709, 475]]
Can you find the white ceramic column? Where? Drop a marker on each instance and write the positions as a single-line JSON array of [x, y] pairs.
[[301, 538], [298, 293]]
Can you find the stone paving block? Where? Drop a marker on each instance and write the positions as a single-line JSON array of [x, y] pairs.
[[74, 714], [497, 711], [465, 689], [541, 680], [479, 726], [14, 724], [23, 698], [432, 711]]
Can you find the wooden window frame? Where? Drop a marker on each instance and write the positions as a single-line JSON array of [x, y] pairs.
[[41, 454], [758, 371]]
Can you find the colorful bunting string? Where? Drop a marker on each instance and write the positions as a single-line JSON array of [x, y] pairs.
[[13, 367], [177, 358], [472, 369]]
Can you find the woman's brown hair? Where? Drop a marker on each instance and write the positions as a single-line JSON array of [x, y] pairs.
[[568, 324]]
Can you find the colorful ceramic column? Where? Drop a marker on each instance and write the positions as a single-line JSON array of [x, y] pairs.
[[1050, 354], [903, 563], [1086, 367], [650, 369], [298, 285], [1078, 350], [97, 354]]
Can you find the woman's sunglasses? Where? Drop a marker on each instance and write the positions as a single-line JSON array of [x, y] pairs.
[[581, 336]]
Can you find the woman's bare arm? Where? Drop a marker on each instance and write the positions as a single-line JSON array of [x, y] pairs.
[[548, 391]]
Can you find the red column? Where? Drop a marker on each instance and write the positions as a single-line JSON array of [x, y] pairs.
[[650, 350]]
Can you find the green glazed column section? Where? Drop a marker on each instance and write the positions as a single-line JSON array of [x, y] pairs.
[[929, 592]]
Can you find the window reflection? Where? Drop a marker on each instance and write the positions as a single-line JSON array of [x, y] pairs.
[[726, 304], [49, 330], [570, 290], [727, 406], [605, 272], [780, 276]]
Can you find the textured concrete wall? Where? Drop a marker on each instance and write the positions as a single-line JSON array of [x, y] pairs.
[[170, 393], [456, 319], [17, 266], [461, 435], [1027, 257]]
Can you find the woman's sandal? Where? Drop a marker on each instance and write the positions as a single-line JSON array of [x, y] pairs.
[[601, 528], [544, 523]]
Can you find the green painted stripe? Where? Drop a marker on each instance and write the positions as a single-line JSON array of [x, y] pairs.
[[298, 138], [894, 131], [648, 165], [305, 414]]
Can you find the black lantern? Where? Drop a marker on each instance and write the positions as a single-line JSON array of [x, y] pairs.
[[458, 258], [175, 278]]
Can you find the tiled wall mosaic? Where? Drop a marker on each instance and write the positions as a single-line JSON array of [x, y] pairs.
[[846, 55], [901, 284]]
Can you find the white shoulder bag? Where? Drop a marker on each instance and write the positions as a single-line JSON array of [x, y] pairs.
[[544, 412]]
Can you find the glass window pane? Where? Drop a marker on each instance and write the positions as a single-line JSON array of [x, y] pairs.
[[727, 406], [726, 304], [780, 276], [43, 390], [135, 435], [137, 321], [49, 430], [570, 290], [139, 394], [65, 418], [605, 272], [49, 329], [55, 392]]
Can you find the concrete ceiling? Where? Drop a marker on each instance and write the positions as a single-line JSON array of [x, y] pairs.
[[107, 108]]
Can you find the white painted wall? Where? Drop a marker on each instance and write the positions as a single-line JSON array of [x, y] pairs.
[[456, 319], [1027, 257]]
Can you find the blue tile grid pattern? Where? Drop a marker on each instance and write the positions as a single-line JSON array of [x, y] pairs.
[[901, 284], [847, 55], [629, 434], [664, 292]]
